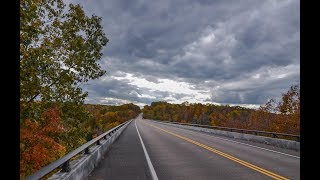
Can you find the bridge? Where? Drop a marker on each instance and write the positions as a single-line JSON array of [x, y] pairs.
[[148, 149]]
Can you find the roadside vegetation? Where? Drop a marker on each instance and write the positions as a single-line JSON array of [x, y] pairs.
[[281, 117], [60, 48]]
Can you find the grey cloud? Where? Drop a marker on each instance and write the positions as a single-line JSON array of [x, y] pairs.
[[255, 91], [166, 40]]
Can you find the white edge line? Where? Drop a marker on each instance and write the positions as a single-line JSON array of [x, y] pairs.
[[151, 168], [243, 143]]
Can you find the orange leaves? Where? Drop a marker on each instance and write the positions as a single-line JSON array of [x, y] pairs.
[[290, 101], [36, 153], [284, 118], [52, 121], [37, 147], [41, 137]]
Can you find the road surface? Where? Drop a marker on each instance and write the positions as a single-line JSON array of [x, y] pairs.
[[150, 150]]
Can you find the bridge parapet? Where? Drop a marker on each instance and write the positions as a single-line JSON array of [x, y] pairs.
[[90, 155], [243, 134]]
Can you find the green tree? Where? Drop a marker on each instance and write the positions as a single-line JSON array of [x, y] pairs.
[[59, 49]]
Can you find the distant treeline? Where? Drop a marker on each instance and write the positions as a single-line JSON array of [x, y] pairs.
[[282, 117], [106, 117]]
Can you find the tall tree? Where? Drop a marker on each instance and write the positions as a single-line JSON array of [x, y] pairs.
[[59, 49]]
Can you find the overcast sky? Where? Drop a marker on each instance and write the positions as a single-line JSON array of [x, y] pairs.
[[207, 51]]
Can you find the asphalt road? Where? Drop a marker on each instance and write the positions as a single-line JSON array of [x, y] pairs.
[[176, 153]]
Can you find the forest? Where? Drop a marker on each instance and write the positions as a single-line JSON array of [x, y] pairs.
[[59, 129], [282, 116]]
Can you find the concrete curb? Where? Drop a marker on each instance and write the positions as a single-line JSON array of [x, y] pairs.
[[83, 166], [283, 143]]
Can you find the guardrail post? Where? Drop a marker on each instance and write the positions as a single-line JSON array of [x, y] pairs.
[[86, 151], [274, 135], [98, 142], [66, 166]]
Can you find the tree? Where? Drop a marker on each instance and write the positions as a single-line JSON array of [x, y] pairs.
[[59, 49], [290, 101], [284, 117], [37, 147], [289, 109]]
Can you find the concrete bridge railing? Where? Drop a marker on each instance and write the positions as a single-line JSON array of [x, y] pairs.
[[90, 155], [242, 134]]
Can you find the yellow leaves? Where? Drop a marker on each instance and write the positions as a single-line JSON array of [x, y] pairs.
[[106, 117], [212, 123]]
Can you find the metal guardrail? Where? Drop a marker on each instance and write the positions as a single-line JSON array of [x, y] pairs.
[[64, 162], [246, 131]]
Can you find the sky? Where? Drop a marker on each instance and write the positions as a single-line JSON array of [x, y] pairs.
[[201, 51]]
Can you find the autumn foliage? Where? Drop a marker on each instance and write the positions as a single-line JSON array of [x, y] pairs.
[[55, 133], [206, 114], [106, 117], [282, 117], [37, 145]]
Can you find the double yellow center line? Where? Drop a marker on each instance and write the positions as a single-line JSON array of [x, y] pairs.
[[251, 166]]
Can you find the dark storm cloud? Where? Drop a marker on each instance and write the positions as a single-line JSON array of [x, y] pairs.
[[240, 51]]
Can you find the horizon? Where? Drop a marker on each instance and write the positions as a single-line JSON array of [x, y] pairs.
[[223, 52], [248, 106]]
